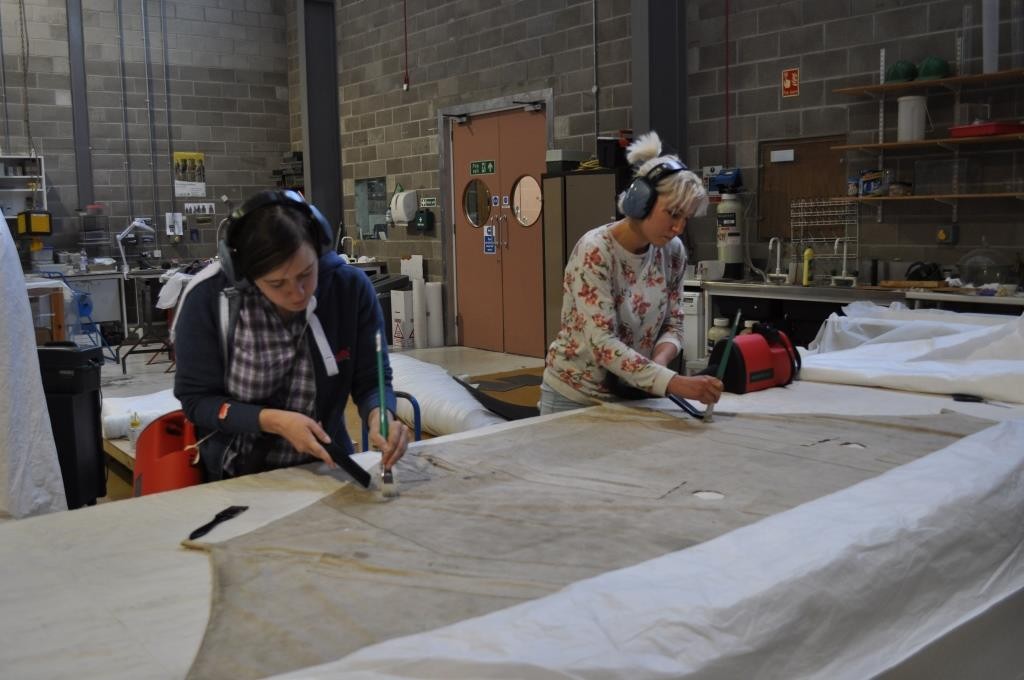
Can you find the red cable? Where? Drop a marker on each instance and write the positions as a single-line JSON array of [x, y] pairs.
[[726, 84], [405, 26]]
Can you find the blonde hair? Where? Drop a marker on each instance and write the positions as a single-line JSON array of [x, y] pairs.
[[684, 190]]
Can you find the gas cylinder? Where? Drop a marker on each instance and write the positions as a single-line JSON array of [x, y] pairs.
[[729, 235]]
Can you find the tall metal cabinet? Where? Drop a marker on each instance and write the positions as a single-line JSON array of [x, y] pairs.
[[574, 203]]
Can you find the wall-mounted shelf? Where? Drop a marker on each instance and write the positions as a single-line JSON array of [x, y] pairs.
[[952, 83], [947, 142], [953, 145], [22, 184], [930, 197]]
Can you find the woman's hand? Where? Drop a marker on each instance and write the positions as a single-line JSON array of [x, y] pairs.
[[397, 441], [301, 431], [704, 388]]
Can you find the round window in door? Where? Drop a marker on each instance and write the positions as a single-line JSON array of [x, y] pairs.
[[476, 202], [526, 200]]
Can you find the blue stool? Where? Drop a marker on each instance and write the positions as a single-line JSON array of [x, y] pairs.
[[416, 420], [90, 328]]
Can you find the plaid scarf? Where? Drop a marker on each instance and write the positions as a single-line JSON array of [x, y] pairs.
[[271, 365]]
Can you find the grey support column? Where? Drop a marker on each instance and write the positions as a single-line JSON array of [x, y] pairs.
[[321, 136], [79, 104], [659, 70]]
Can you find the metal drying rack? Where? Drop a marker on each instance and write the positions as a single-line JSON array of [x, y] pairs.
[[818, 222]]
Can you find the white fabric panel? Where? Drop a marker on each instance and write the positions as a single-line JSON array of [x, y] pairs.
[[908, 350], [819, 591], [446, 406], [117, 411], [30, 478], [865, 322], [172, 289], [850, 400]]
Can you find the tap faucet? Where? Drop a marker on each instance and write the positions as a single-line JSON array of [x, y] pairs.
[[835, 251], [776, 277], [348, 238], [777, 242]]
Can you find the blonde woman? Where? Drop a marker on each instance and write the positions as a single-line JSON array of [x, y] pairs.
[[622, 305]]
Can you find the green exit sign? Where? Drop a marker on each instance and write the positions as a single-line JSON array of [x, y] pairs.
[[481, 168]]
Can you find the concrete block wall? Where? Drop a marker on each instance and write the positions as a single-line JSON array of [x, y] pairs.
[[229, 98], [461, 52], [836, 43]]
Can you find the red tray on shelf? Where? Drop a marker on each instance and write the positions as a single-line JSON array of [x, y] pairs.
[[985, 129]]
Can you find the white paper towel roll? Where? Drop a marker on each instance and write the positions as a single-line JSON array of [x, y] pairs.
[[419, 313], [435, 315]]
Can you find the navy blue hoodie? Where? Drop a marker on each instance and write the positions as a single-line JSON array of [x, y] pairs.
[[348, 310]]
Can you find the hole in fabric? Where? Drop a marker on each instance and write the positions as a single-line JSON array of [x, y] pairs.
[[853, 445], [709, 495]]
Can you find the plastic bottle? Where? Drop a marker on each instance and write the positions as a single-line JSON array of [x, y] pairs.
[[808, 266], [748, 327], [719, 331], [83, 261], [134, 427]]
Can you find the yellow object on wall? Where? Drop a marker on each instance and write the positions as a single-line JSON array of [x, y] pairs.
[[34, 222]]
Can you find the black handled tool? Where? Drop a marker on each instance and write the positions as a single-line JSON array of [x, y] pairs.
[[222, 516], [338, 455]]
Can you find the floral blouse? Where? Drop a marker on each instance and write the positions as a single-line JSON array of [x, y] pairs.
[[617, 306]]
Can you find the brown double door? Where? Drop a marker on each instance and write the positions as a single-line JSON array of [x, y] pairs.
[[498, 259]]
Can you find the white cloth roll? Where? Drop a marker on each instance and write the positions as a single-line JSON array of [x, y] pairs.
[[435, 314], [30, 479], [419, 313]]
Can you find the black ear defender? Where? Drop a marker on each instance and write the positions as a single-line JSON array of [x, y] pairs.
[[319, 228], [643, 190]]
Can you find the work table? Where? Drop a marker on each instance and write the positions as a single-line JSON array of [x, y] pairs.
[[838, 294]]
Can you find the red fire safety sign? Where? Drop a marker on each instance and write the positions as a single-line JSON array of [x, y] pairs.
[[791, 82]]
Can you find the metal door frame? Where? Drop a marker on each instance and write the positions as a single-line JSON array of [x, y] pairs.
[[446, 117]]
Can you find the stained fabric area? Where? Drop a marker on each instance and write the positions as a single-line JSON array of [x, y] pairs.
[[487, 522]]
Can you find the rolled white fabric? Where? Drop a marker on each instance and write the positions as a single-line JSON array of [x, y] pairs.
[[435, 314], [419, 313], [30, 478]]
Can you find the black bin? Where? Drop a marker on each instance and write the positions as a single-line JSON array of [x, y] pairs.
[[71, 383]]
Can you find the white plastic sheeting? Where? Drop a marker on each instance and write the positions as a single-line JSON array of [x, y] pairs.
[[117, 411], [30, 478], [922, 351], [846, 586], [445, 405]]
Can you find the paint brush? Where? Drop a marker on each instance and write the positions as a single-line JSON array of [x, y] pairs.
[[388, 487], [720, 374]]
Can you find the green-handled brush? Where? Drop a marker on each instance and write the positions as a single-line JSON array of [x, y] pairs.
[[388, 486], [720, 374]]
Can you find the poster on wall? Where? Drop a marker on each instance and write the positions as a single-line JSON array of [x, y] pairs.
[[189, 174]]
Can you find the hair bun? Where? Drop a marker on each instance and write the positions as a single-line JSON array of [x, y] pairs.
[[644, 148]]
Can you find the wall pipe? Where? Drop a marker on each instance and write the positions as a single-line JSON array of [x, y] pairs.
[[727, 107], [167, 100], [596, 89], [149, 109], [124, 112], [3, 90]]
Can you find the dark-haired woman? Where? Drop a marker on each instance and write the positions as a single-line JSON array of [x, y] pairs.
[[271, 342]]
